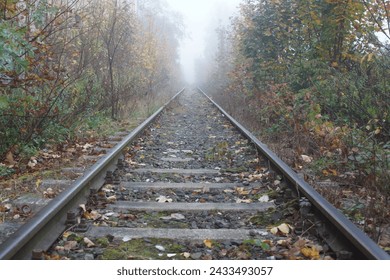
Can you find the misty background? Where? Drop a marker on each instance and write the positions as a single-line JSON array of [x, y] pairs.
[[201, 18]]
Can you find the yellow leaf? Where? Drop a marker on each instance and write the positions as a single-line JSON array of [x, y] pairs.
[[370, 57], [333, 172], [93, 215], [284, 228], [38, 183], [329, 172], [274, 230], [208, 243], [311, 253], [242, 191]]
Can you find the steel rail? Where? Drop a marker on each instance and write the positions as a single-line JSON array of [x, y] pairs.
[[45, 227], [363, 244]]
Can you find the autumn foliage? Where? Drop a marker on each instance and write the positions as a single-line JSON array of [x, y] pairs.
[[313, 77], [62, 62]]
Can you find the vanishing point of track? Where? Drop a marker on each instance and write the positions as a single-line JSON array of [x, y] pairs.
[[192, 174]]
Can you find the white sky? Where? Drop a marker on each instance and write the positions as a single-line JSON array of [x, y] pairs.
[[198, 16]]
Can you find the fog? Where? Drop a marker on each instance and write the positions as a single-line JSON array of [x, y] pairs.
[[201, 17]]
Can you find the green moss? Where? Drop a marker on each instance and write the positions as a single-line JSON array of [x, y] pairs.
[[143, 250], [257, 243], [51, 174], [154, 220], [176, 248], [262, 218], [103, 242], [273, 194], [75, 237]]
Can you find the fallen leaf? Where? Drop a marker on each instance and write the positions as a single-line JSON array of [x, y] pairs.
[[108, 188], [10, 158], [66, 234], [82, 206], [126, 238], [241, 255], [208, 243], [311, 253], [163, 199], [178, 216], [255, 177], [300, 243], [243, 200], [264, 198], [160, 248], [333, 172], [70, 245], [265, 246], [88, 242], [186, 255], [329, 172], [242, 191], [274, 230], [284, 228], [49, 193], [110, 214], [93, 215], [59, 248], [86, 147], [32, 163], [166, 218], [223, 252], [38, 183], [283, 242], [306, 158], [111, 198]]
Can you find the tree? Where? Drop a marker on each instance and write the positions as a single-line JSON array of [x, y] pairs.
[[62, 61]]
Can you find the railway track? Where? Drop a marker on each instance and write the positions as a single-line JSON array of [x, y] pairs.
[[190, 183]]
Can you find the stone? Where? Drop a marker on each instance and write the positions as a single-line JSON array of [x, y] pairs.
[[196, 256]]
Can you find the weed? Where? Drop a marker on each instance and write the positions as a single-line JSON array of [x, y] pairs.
[[6, 171]]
